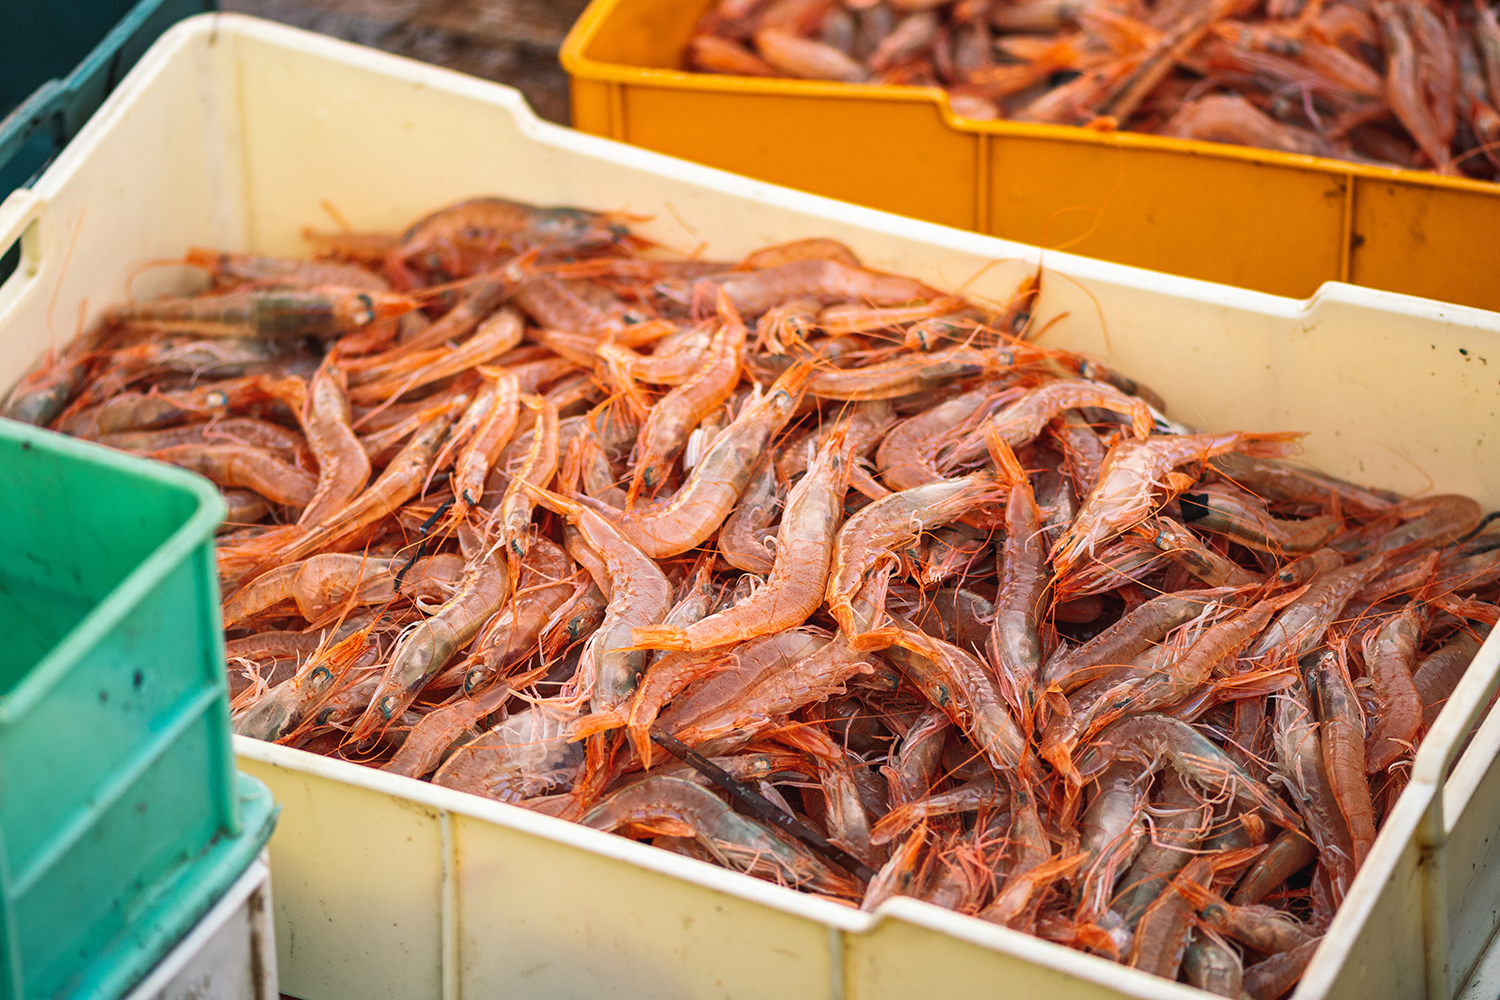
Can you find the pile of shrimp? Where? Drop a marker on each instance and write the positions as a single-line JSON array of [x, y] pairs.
[[513, 491], [1410, 83]]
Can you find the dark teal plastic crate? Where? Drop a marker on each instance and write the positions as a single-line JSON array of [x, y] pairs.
[[59, 60], [117, 781]]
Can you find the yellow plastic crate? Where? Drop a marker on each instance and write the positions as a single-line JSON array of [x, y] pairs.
[[1274, 222], [234, 132]]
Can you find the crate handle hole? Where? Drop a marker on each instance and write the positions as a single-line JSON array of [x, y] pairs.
[[19, 261]]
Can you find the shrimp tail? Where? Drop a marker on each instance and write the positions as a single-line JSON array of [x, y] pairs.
[[659, 637], [1272, 444], [598, 722], [1004, 456]]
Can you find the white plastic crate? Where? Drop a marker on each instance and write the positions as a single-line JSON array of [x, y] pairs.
[[232, 132], [229, 955]]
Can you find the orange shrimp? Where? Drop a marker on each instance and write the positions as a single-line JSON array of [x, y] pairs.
[[426, 649], [868, 536], [791, 55], [536, 469], [444, 240], [794, 590], [314, 312], [343, 466], [672, 419], [234, 268], [1390, 657], [1341, 732], [1133, 470], [241, 465], [640, 596], [716, 482], [495, 336]]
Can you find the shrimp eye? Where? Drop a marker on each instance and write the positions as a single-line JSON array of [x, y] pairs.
[[388, 706], [217, 398]]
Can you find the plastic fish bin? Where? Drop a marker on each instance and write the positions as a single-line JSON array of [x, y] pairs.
[[234, 133], [230, 954], [1274, 222], [118, 805], [59, 61]]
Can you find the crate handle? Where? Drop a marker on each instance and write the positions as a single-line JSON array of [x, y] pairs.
[[1466, 705], [20, 241]]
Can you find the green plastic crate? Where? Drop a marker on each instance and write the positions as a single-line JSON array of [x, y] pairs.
[[117, 783], [59, 60]]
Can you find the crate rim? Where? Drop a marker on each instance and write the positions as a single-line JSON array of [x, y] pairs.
[[576, 62], [115, 605]]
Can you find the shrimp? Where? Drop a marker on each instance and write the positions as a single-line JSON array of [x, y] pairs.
[[1014, 647], [1213, 510], [1390, 656], [1132, 471], [640, 596], [444, 240], [329, 582], [1280, 482], [1211, 966], [898, 876], [910, 373], [1182, 819], [400, 481], [680, 673], [681, 808], [1163, 681], [1404, 88], [674, 416], [743, 538], [542, 589], [905, 456], [716, 482], [1275, 976], [422, 751], [968, 797], [1183, 548], [794, 590], [1288, 854], [802, 57], [494, 337], [867, 537], [527, 755], [712, 54], [1149, 737], [1437, 674], [240, 465], [235, 268], [1302, 772], [536, 469], [911, 771], [672, 362], [575, 620], [1299, 627], [424, 651], [1127, 638], [498, 415], [343, 466], [1161, 937], [1341, 730], [825, 280], [277, 714], [959, 684], [270, 314], [487, 296], [1024, 419], [845, 817]]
